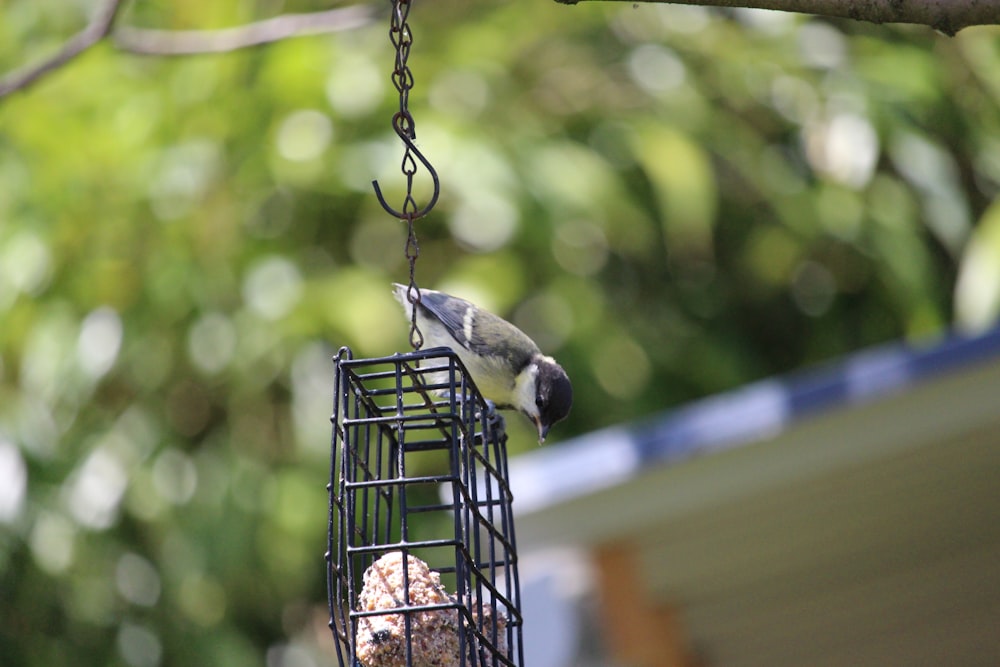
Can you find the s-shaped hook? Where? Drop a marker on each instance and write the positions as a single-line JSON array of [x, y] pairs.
[[402, 123]]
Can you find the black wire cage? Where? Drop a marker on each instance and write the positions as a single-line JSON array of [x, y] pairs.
[[421, 559]]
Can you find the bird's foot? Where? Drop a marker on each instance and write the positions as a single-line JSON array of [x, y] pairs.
[[495, 426]]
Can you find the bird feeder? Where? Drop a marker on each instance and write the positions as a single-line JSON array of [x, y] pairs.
[[422, 565]]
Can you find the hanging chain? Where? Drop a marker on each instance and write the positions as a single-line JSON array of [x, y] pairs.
[[402, 78], [412, 291], [402, 122]]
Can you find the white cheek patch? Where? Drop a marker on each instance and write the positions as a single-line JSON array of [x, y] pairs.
[[524, 390]]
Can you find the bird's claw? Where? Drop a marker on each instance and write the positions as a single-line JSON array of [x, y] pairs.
[[496, 426]]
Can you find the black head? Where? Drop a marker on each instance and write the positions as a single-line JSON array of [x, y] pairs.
[[553, 395]]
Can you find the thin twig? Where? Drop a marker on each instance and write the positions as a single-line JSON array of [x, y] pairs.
[[96, 30], [150, 42], [146, 41]]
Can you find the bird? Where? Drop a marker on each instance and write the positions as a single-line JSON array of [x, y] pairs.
[[507, 367]]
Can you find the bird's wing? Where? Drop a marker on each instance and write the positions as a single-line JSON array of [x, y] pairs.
[[449, 311], [479, 331]]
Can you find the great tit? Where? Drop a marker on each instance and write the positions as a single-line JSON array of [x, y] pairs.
[[506, 366]]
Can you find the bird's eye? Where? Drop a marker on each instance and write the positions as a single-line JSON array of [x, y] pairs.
[[540, 403]]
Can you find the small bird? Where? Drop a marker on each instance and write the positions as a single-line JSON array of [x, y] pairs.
[[505, 364]]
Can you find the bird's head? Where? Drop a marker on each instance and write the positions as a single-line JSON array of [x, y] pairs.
[[547, 396]]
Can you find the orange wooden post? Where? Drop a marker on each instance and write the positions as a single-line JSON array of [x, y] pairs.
[[640, 633]]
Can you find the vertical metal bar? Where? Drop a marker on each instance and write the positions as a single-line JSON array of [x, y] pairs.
[[348, 507], [334, 490], [514, 625]]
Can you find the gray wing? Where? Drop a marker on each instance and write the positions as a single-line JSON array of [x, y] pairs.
[[487, 335]]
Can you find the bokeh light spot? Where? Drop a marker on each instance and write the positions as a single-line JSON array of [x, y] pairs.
[[181, 176], [655, 68], [211, 342], [580, 247], [289, 655], [372, 237], [304, 135], [813, 288], [137, 580], [977, 290], [25, 264], [139, 646], [203, 599], [821, 45], [355, 85], [13, 481], [272, 287], [96, 488], [310, 376], [840, 211], [175, 476], [461, 92], [485, 223], [52, 542], [622, 367], [546, 318], [794, 98], [99, 342], [844, 148]]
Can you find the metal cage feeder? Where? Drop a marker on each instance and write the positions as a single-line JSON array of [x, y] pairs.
[[412, 436]]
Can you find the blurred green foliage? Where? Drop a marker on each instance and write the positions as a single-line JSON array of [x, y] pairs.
[[672, 200]]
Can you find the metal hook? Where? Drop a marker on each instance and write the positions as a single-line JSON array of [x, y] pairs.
[[406, 136]]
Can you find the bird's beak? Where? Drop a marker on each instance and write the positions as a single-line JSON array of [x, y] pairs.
[[543, 430]]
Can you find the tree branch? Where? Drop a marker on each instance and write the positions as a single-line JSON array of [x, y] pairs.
[[96, 30], [144, 41], [151, 42], [947, 16]]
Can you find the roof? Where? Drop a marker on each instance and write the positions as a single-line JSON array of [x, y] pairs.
[[848, 514]]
